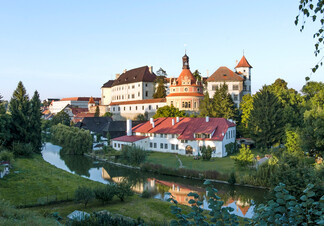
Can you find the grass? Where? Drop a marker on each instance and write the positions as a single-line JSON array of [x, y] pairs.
[[165, 159], [152, 211], [33, 180]]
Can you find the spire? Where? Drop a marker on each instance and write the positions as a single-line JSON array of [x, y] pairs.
[[243, 63], [185, 62]]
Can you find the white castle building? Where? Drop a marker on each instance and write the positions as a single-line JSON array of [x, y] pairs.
[[184, 136]]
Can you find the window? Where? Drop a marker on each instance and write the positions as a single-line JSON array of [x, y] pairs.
[[155, 145], [146, 93], [136, 108], [235, 97], [214, 87], [161, 135], [195, 104], [133, 86], [173, 135], [172, 103], [143, 107], [235, 87], [115, 145], [139, 85], [157, 107], [177, 147], [154, 134], [113, 108], [118, 145], [146, 85], [124, 108], [186, 104], [186, 89], [172, 146], [165, 146], [244, 88], [128, 96], [151, 144], [118, 108], [161, 146], [130, 108], [138, 94], [149, 107]]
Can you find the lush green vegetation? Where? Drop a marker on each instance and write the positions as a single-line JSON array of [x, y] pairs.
[[133, 155], [34, 181], [169, 111], [73, 140]]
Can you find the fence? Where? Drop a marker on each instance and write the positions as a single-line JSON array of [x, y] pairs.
[[46, 200]]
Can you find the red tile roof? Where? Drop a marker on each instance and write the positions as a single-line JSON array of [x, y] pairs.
[[76, 111], [243, 63], [91, 101], [129, 139], [84, 114], [141, 74], [187, 127], [147, 101], [224, 74], [185, 94], [80, 99], [186, 74]]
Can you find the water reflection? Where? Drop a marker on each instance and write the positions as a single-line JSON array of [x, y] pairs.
[[241, 199]]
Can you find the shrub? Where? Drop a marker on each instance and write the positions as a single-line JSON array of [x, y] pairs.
[[105, 193], [84, 194], [123, 190], [6, 156], [22, 149], [231, 148], [146, 194], [232, 179], [133, 155], [245, 157], [206, 152]]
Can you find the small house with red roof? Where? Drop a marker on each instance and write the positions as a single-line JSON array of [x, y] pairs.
[[185, 136], [238, 81], [75, 102]]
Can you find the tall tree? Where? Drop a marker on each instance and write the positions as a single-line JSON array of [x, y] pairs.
[[222, 104], [19, 109], [160, 92], [97, 113], [35, 131], [197, 75], [61, 117], [246, 107], [205, 106], [266, 123], [5, 121]]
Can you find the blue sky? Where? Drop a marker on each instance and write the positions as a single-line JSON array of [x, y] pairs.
[[70, 48]]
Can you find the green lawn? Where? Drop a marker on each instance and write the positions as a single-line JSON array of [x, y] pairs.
[[32, 180], [166, 159]]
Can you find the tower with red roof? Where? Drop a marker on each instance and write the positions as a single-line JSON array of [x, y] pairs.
[[185, 92]]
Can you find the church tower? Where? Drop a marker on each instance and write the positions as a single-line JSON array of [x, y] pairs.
[[185, 92], [243, 68]]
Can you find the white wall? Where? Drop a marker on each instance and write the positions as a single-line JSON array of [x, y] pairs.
[[106, 95]]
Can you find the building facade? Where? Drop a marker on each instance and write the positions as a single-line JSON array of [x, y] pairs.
[[184, 136], [185, 92], [75, 102], [238, 82]]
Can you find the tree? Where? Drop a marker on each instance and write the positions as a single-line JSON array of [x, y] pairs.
[[108, 114], [293, 142], [160, 92], [97, 113], [105, 193], [310, 89], [5, 122], [141, 117], [313, 9], [206, 152], [169, 111], [19, 109], [197, 75], [161, 72], [246, 107], [123, 190], [266, 123], [205, 106], [223, 105], [245, 157], [61, 117], [84, 194], [35, 124]]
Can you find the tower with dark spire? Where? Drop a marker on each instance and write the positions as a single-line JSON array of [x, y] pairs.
[[185, 62]]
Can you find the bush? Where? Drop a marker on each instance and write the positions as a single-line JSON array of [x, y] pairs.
[[206, 152], [106, 193], [22, 149], [231, 148], [245, 157], [6, 156], [84, 194], [146, 194], [123, 190], [232, 179], [133, 155]]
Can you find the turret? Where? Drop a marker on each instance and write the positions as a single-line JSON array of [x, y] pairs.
[[244, 68]]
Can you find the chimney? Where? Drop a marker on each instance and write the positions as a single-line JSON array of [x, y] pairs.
[[124, 70], [173, 121], [207, 118], [117, 76], [129, 127], [151, 69], [153, 124], [151, 120], [177, 118]]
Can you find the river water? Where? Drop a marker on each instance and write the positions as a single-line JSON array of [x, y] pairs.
[[241, 199]]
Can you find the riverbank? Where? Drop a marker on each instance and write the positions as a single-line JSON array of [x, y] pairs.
[[169, 165]]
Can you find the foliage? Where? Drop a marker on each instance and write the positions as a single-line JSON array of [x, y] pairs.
[[22, 149], [97, 112], [141, 117], [206, 152], [310, 89], [197, 75], [222, 104], [35, 123], [160, 92], [123, 190], [133, 155], [266, 122], [5, 122], [293, 142], [218, 215], [146, 194], [61, 117], [73, 140], [245, 157], [6, 156], [161, 72], [106, 193], [246, 106], [84, 194], [169, 111], [313, 9], [231, 148], [205, 107], [286, 209], [232, 179], [107, 114]]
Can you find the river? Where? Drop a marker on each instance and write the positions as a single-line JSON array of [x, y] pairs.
[[241, 199]]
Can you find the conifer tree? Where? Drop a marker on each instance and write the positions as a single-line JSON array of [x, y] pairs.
[[35, 131], [4, 125], [19, 109], [97, 113], [266, 124], [223, 105], [205, 106], [160, 92]]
